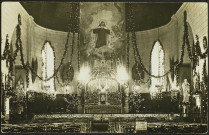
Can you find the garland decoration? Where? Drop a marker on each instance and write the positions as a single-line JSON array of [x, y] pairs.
[[8, 52], [67, 69], [205, 91], [139, 76], [198, 50], [67, 72], [8, 55], [26, 67], [135, 48], [127, 56], [195, 56], [130, 27], [73, 41], [10, 58], [137, 57], [27, 75], [74, 19], [35, 67], [58, 81], [186, 36], [78, 45], [74, 6], [204, 73]]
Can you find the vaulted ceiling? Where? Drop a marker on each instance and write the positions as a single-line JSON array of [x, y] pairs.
[[54, 15]]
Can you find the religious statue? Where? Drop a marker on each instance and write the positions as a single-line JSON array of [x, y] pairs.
[[20, 95], [186, 90], [20, 87], [35, 68], [196, 81]]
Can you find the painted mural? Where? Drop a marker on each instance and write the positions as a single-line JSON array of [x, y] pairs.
[[102, 30]]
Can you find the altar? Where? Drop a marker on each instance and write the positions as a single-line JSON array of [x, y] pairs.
[[103, 93]]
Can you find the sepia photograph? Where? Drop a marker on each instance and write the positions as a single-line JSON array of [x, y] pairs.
[[104, 67]]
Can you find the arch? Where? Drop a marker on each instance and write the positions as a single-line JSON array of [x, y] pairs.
[[157, 65], [48, 64]]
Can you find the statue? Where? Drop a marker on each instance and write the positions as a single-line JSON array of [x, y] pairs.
[[186, 90], [20, 87], [196, 80], [20, 95]]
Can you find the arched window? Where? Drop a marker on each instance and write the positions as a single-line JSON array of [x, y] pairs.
[[48, 66], [157, 66]]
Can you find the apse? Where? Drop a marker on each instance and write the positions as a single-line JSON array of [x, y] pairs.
[[104, 67]]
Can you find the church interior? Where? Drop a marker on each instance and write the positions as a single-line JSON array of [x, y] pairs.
[[104, 67]]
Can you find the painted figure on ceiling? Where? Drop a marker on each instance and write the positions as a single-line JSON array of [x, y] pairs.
[[101, 40], [102, 35], [102, 32]]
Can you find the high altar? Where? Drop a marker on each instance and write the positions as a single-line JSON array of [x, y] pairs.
[[103, 92]]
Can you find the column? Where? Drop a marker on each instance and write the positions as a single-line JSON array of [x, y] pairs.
[[7, 108]]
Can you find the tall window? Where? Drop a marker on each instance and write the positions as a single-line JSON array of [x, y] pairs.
[[157, 66], [48, 67]]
